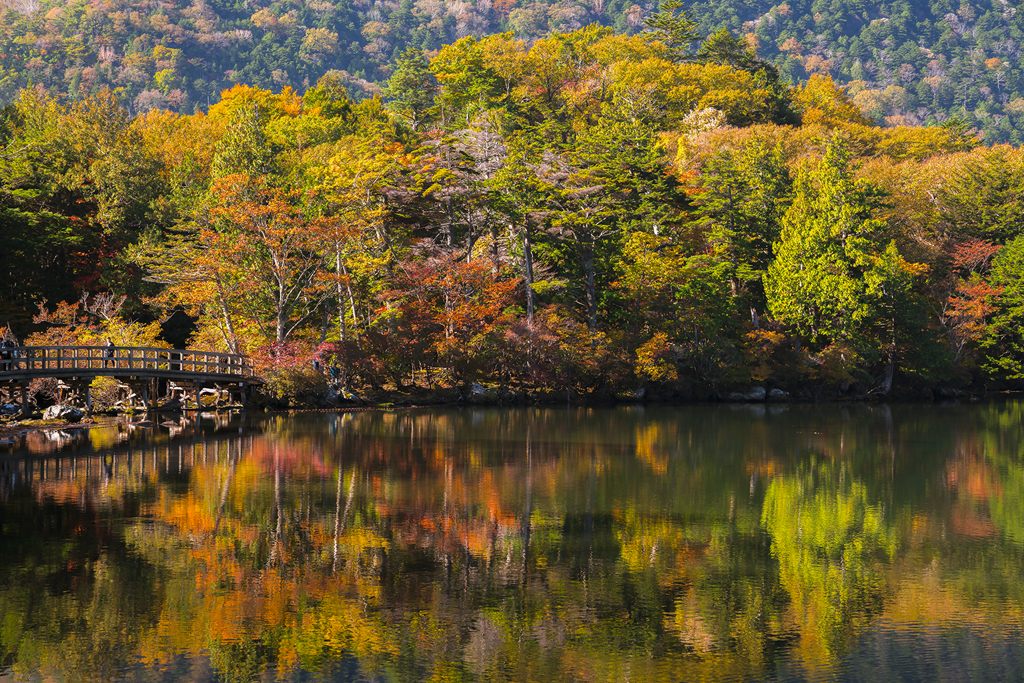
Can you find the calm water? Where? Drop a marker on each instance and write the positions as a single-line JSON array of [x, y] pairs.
[[717, 543]]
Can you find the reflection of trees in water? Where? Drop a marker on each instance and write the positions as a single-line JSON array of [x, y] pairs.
[[495, 544], [74, 597], [831, 541]]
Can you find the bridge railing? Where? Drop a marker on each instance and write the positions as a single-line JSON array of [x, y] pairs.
[[124, 358]]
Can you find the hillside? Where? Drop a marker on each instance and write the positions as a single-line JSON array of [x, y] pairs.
[[904, 62]]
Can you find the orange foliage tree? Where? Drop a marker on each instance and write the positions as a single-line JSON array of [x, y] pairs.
[[275, 245], [447, 311]]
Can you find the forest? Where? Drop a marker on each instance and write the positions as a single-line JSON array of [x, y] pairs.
[[903, 62], [585, 215]]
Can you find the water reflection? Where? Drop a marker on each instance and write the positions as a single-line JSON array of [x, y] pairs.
[[698, 543]]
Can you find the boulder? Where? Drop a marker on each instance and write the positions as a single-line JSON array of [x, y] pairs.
[[350, 396], [9, 409], [755, 394], [343, 395], [478, 393], [59, 412], [778, 395]]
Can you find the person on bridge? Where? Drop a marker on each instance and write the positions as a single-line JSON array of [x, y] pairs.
[[108, 354], [5, 352]]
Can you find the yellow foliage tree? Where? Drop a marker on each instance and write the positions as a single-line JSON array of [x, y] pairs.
[[822, 102]]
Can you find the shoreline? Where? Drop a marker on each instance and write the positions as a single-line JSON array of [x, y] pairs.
[[14, 429]]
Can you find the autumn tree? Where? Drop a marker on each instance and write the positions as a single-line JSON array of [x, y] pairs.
[[274, 245], [192, 262], [965, 300], [722, 47]]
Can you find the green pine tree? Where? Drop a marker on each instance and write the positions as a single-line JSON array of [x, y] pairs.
[[410, 90], [675, 27], [829, 238]]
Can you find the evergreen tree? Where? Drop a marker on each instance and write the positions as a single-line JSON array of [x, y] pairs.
[[675, 27], [411, 89], [744, 198], [1004, 343], [829, 237]]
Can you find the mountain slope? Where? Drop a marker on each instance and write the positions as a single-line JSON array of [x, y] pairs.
[[903, 62]]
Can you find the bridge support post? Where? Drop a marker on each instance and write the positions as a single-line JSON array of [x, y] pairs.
[[24, 399], [88, 400], [197, 389]]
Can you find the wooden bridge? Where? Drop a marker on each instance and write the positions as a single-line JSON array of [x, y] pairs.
[[147, 372]]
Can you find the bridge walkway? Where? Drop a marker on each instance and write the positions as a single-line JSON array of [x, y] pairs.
[[142, 369]]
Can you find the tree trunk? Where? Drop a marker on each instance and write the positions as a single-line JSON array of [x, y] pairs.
[[471, 239], [232, 339], [282, 314], [450, 237], [326, 323], [352, 302], [342, 331], [495, 251], [589, 282], [890, 368], [528, 268]]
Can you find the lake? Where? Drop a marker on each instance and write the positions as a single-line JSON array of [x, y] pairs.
[[692, 543]]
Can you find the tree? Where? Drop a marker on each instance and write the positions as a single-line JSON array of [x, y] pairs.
[[267, 235], [364, 183], [829, 235], [1004, 342], [451, 306], [743, 197], [965, 300], [724, 48], [675, 27], [469, 85], [411, 89], [517, 195], [245, 148], [192, 262], [614, 180], [821, 101]]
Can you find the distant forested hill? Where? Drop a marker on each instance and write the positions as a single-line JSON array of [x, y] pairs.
[[913, 62], [903, 62]]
